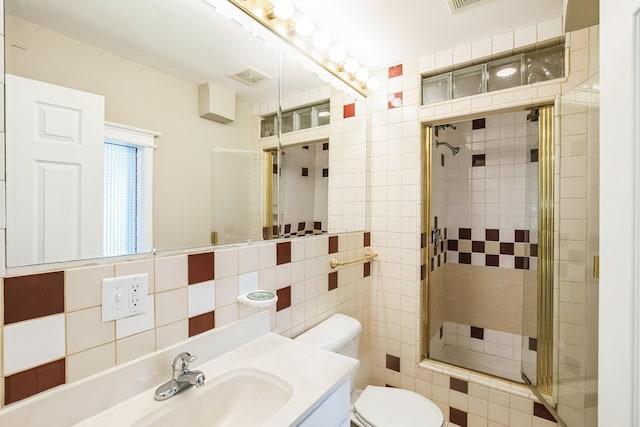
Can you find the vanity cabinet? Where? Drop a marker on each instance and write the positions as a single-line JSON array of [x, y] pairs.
[[333, 411]]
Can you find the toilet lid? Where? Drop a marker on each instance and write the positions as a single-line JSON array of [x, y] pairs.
[[385, 406]]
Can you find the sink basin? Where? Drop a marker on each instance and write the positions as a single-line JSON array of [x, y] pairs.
[[243, 397]]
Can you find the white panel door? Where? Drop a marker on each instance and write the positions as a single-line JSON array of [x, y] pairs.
[[55, 172]]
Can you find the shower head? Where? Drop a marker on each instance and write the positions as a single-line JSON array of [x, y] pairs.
[[454, 150]]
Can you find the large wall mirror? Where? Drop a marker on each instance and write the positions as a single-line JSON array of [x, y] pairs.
[[136, 77]]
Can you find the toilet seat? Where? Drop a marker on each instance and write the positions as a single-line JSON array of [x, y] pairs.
[[385, 406]]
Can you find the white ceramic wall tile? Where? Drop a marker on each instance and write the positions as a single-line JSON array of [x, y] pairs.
[[226, 263], [202, 297], [248, 282], [85, 329], [525, 36], [83, 286], [171, 306], [171, 272], [171, 334], [135, 346], [139, 323], [226, 291], [549, 29], [33, 343], [426, 63], [444, 59], [502, 43], [481, 48], [92, 361]]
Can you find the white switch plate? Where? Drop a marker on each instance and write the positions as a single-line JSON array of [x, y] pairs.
[[124, 296]]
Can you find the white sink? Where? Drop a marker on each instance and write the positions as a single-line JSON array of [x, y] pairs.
[[242, 397]]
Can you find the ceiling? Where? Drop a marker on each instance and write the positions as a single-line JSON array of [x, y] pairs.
[[187, 38]]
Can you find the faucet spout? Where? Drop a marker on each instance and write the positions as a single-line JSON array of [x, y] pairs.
[[181, 379]]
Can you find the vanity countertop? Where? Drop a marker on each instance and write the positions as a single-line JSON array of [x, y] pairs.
[[311, 373]]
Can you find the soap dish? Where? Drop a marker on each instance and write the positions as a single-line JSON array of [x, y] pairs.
[[258, 298]]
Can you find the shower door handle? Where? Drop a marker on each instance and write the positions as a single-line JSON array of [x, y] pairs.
[[596, 266]]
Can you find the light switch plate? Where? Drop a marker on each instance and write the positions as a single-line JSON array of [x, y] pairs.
[[124, 296]]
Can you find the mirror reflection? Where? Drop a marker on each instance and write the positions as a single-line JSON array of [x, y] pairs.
[[171, 96]]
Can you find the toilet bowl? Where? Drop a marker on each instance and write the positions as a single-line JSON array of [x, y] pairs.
[[374, 406]]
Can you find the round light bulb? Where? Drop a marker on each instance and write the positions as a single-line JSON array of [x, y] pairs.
[[283, 9], [373, 83], [351, 65], [362, 75], [321, 40], [337, 54], [506, 72], [304, 26]]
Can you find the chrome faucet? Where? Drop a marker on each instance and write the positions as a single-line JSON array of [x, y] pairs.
[[181, 379]]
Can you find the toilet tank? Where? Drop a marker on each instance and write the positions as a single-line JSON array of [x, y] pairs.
[[339, 333]]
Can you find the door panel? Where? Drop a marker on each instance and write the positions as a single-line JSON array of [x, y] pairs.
[[55, 186]]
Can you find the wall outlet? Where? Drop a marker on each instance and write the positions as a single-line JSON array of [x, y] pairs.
[[124, 296]]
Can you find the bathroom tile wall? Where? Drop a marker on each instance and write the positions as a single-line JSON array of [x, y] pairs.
[[54, 334], [396, 212], [2, 198]]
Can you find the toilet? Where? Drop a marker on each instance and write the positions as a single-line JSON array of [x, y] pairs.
[[375, 406]]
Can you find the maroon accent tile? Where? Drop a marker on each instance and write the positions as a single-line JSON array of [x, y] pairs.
[[439, 260], [301, 226], [390, 386], [317, 225], [202, 323], [393, 363], [33, 381], [477, 333], [445, 257], [395, 71], [366, 239], [333, 244], [522, 236], [478, 160], [325, 146], [423, 240], [287, 228], [275, 170], [423, 270], [541, 412], [464, 234], [435, 222], [464, 258], [533, 344], [325, 172], [459, 385], [478, 124], [395, 100], [533, 249], [349, 110], [201, 267], [458, 417], [506, 248], [452, 245], [442, 160], [533, 155], [275, 230], [492, 235], [333, 280], [305, 171], [432, 268], [445, 233], [367, 269], [265, 233], [33, 296], [441, 331], [284, 298], [521, 263], [283, 250], [492, 260], [477, 246]]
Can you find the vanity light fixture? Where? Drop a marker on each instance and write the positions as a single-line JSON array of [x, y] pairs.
[[281, 18]]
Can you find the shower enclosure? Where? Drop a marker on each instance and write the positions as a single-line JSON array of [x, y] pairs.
[[510, 256]]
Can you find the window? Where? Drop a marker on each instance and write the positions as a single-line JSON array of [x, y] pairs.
[[297, 119], [527, 68], [128, 166]]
